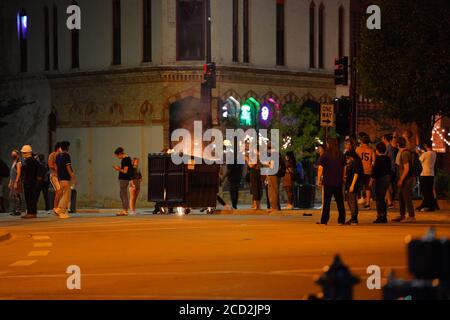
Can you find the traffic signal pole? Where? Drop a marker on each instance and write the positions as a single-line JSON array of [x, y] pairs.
[[206, 88]]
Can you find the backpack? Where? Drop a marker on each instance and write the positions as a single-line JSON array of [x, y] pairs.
[[42, 171], [417, 167], [4, 170]]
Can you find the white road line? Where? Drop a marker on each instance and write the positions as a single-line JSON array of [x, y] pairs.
[[37, 238], [38, 253], [43, 245], [23, 263], [299, 273]]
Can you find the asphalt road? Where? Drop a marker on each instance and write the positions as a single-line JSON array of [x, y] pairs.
[[196, 256]]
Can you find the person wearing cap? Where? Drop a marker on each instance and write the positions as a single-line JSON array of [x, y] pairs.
[[30, 167], [66, 178]]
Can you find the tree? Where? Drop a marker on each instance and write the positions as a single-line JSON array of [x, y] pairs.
[[406, 64], [10, 105]]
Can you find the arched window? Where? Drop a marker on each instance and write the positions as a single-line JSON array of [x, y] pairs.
[[341, 31], [147, 41], [55, 38], [312, 35], [321, 35], [117, 33], [46, 38], [22, 30], [280, 32], [75, 35]]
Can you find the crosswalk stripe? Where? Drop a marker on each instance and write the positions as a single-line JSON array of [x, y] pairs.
[[43, 244], [23, 263], [39, 253]]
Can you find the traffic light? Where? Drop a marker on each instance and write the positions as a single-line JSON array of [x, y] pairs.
[[341, 71], [343, 109], [209, 75]]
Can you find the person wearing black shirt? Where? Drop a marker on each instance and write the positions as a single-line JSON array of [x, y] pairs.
[[354, 172], [30, 168], [382, 173], [66, 179], [125, 176], [330, 175]]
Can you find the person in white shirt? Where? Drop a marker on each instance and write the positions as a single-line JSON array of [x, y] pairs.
[[428, 160]]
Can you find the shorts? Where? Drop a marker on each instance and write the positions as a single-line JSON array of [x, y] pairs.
[[55, 183], [365, 182], [136, 185]]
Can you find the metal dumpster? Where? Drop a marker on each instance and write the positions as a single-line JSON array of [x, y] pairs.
[[185, 186]]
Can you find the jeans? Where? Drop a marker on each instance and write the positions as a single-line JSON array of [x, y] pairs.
[[426, 188], [352, 200], [404, 194], [124, 194], [381, 187], [31, 198], [329, 192], [234, 194]]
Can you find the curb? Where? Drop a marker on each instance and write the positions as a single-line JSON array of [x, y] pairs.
[[5, 236]]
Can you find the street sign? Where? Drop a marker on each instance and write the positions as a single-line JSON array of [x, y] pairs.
[[327, 115]]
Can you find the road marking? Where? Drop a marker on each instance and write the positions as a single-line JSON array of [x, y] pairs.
[[43, 245], [38, 253], [299, 273], [23, 263], [37, 238]]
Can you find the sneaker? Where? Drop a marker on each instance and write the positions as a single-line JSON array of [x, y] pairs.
[[409, 220], [64, 216], [132, 213], [391, 206], [399, 219], [352, 222], [361, 201], [15, 214], [289, 207], [426, 210], [367, 206], [122, 214], [29, 216]]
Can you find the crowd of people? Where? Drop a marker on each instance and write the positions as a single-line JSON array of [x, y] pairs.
[[386, 171]]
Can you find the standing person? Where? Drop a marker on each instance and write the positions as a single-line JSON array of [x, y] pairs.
[[428, 160], [353, 172], [43, 181], [29, 172], [405, 182], [125, 176], [289, 177], [135, 186], [254, 171], [273, 181], [365, 152], [391, 152], [234, 176], [54, 175], [66, 178], [15, 185], [4, 174], [382, 176], [331, 168], [411, 145]]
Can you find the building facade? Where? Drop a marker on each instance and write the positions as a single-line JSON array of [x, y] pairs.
[[112, 83]]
